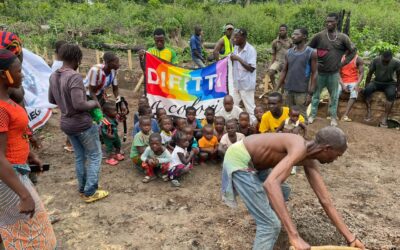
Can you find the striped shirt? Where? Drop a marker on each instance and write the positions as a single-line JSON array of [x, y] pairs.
[[96, 77]]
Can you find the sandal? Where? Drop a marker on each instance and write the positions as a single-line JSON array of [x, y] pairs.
[[147, 179], [112, 162], [98, 195], [119, 157], [69, 149], [346, 119], [165, 177], [383, 125]]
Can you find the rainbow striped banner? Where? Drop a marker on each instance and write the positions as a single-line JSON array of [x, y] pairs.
[[175, 88]]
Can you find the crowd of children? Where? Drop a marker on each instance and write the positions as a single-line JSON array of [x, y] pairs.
[[169, 147]]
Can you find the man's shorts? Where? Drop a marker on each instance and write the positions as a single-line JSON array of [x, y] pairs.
[[276, 66], [388, 88], [351, 87]]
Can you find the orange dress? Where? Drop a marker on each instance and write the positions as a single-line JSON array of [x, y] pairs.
[[17, 230]]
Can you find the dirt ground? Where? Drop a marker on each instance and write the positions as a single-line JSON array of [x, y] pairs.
[[364, 184]]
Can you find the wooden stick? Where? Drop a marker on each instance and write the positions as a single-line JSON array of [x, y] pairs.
[[129, 59], [97, 57], [329, 248], [139, 84]]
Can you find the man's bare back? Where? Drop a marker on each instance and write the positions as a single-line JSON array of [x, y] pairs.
[[267, 150]]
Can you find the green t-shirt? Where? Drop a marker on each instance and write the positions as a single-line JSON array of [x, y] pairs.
[[384, 73], [167, 54], [140, 140]]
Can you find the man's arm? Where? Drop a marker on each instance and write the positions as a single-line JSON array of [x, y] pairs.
[[313, 78], [273, 52], [317, 184], [249, 66], [295, 153], [282, 77], [115, 90], [218, 47], [360, 67], [280, 128]]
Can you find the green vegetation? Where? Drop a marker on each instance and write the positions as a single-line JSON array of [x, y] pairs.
[[374, 24]]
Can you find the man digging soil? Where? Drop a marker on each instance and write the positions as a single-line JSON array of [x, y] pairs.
[[246, 162]]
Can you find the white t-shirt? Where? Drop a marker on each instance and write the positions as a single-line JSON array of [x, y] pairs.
[[225, 139], [234, 114], [165, 137], [242, 78], [97, 78], [56, 65], [175, 158]]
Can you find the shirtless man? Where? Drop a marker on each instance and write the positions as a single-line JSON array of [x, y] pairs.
[[244, 161]]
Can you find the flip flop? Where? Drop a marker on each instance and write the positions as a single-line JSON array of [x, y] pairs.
[[383, 125], [368, 119], [147, 179], [98, 195]]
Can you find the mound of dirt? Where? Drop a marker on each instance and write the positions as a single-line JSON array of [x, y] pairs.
[[364, 184]]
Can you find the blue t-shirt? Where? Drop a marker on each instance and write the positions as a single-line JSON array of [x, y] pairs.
[[195, 44], [154, 127]]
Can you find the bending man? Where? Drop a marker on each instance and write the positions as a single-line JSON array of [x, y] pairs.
[[245, 161]]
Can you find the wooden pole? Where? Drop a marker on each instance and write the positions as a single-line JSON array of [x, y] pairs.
[[329, 248], [141, 80], [129, 59], [97, 57]]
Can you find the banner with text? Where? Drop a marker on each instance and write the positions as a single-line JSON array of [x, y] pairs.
[[175, 88], [36, 86]]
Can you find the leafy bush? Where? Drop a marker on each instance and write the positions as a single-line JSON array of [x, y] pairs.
[[133, 21]]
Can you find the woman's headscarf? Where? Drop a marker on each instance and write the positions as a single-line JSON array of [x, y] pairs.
[[11, 42], [6, 59]]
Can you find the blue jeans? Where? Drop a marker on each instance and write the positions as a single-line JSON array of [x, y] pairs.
[[87, 149], [263, 175], [252, 192]]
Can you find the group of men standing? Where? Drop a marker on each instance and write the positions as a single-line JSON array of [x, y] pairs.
[[329, 60]]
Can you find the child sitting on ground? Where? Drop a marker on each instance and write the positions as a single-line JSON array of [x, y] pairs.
[[209, 113], [292, 124], [192, 121], [143, 101], [181, 161], [258, 113], [244, 124], [141, 140], [160, 114], [155, 158], [219, 127], [193, 145], [208, 144], [146, 111], [230, 137], [109, 132], [166, 130], [230, 110]]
